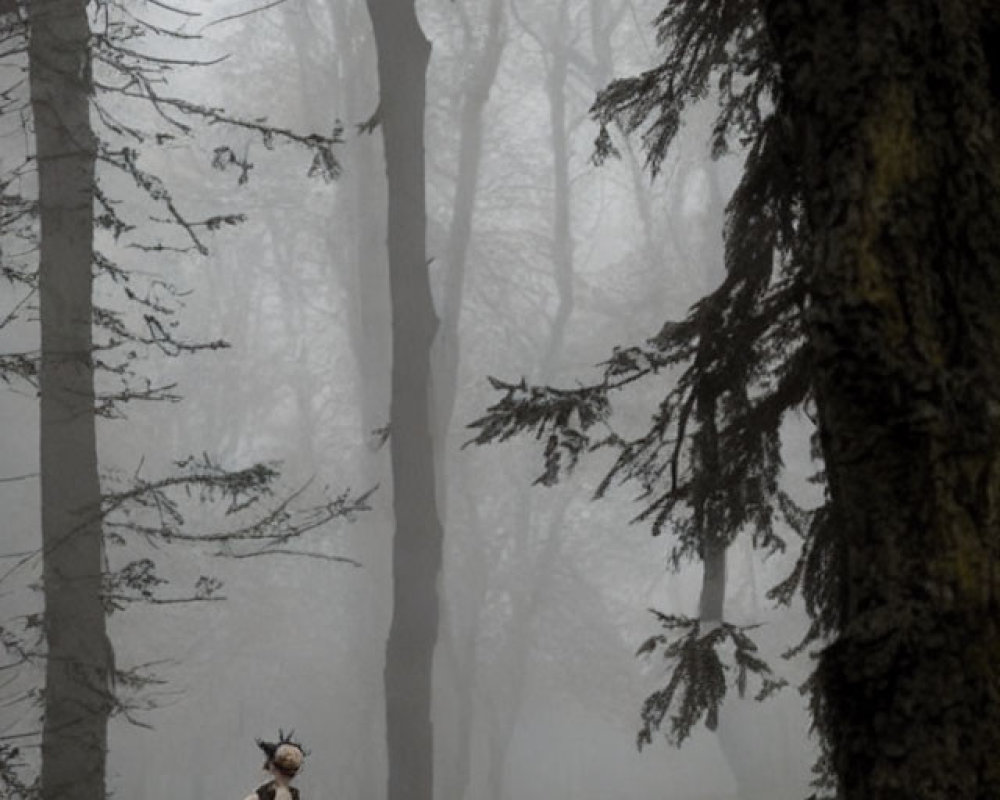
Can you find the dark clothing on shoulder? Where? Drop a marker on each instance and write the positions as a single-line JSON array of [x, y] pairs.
[[267, 791]]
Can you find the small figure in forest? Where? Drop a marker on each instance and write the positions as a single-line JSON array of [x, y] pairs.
[[282, 760]]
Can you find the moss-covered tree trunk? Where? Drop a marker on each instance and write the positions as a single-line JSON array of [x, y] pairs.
[[403, 53], [77, 701], [894, 111]]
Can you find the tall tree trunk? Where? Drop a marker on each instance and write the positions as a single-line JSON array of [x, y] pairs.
[[403, 53], [475, 95], [559, 136], [707, 502], [503, 687], [461, 517], [79, 662], [709, 498], [359, 234], [370, 316], [896, 110]]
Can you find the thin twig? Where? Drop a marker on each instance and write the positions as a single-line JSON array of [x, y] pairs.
[[183, 12], [297, 553], [244, 13], [24, 477]]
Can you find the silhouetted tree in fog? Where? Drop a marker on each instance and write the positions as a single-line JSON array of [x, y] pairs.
[[403, 52], [678, 464], [82, 69], [861, 256], [479, 59], [892, 111], [79, 661]]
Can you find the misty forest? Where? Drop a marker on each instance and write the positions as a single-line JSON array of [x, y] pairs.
[[500, 400]]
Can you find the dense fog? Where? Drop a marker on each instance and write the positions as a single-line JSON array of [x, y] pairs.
[[541, 262]]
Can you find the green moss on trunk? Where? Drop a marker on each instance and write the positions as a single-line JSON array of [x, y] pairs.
[[896, 127]]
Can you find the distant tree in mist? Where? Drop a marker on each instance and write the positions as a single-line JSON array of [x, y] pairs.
[[495, 671], [403, 52], [860, 245], [83, 66], [683, 467], [484, 52], [79, 662], [479, 59]]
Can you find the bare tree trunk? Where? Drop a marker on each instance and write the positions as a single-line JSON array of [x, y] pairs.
[[712, 601], [361, 235], [562, 234], [516, 646], [714, 543], [475, 95], [403, 53], [370, 316], [459, 642], [501, 716], [79, 659]]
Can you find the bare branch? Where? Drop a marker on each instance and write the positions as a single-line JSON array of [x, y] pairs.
[[244, 13], [25, 477], [296, 553]]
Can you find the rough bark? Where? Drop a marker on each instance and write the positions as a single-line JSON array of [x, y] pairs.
[[895, 110], [79, 661], [403, 53]]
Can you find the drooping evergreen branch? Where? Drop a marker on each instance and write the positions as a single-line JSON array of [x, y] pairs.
[[707, 467], [696, 661]]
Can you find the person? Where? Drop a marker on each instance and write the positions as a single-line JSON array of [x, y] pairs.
[[282, 761]]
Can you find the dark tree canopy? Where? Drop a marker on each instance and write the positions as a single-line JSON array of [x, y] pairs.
[[707, 468], [894, 115], [862, 259]]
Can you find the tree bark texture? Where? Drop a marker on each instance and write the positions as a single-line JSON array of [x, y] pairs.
[[79, 660], [893, 109], [403, 53]]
